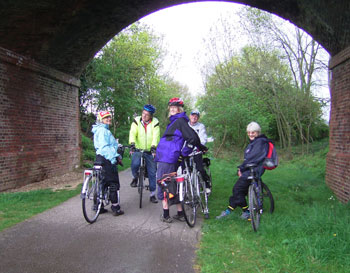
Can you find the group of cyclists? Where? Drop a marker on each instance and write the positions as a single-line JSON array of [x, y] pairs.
[[162, 155]]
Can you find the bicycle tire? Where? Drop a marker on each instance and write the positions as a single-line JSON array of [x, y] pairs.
[[90, 200], [203, 195], [268, 201], [254, 209], [141, 183], [188, 204]]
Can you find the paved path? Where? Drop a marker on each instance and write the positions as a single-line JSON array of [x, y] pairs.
[[60, 240]]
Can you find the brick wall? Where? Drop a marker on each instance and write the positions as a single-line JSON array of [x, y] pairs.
[[338, 158], [39, 121]]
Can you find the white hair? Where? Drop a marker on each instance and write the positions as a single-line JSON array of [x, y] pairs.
[[253, 127]]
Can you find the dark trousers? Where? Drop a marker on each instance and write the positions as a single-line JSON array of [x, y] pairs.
[[239, 192], [198, 159], [110, 177]]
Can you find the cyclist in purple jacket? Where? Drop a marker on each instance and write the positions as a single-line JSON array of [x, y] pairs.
[[169, 150]]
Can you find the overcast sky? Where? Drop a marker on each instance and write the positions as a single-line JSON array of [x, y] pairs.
[[184, 28]]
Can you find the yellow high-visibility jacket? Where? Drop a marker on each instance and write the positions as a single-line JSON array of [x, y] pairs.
[[144, 138]]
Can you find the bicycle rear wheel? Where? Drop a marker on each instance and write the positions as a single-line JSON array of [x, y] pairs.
[[268, 202], [254, 209], [141, 183], [90, 199], [188, 204]]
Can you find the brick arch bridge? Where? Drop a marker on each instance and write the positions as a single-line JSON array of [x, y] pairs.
[[45, 44]]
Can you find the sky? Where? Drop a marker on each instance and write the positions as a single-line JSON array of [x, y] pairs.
[[184, 28]]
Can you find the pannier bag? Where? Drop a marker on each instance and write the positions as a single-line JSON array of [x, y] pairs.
[[168, 185]]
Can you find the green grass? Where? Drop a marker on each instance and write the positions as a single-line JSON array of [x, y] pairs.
[[16, 207], [308, 232]]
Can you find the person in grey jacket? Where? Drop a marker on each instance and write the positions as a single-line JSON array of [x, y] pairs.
[[199, 128]]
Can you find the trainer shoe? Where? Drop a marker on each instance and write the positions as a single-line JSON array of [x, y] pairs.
[[133, 183], [208, 191], [116, 211], [166, 220], [180, 218], [224, 214], [153, 199], [245, 215]]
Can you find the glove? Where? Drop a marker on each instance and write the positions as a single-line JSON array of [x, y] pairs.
[[203, 148], [120, 162], [153, 149], [120, 150], [132, 147]]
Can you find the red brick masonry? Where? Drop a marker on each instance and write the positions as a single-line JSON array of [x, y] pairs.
[[39, 121], [338, 158]]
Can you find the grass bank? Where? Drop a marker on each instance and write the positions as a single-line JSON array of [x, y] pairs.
[[19, 206], [308, 232]]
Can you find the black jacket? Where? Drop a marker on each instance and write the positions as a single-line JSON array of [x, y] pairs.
[[255, 152]]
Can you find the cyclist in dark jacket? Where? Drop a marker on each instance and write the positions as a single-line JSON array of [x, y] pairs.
[[169, 149], [255, 152]]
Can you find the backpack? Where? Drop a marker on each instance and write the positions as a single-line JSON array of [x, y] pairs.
[[271, 159]]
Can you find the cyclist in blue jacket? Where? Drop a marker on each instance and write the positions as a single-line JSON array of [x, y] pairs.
[[107, 155], [255, 152], [170, 148]]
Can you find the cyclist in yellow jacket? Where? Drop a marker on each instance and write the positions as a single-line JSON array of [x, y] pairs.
[[144, 135]]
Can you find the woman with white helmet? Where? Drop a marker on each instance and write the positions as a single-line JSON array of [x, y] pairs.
[[255, 152]]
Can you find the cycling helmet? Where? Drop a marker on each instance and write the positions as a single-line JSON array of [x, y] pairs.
[[149, 108], [195, 112], [176, 102], [103, 114]]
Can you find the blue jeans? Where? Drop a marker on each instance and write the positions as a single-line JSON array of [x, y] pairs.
[[151, 169]]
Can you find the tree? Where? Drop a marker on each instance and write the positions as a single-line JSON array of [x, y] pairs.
[[306, 60]]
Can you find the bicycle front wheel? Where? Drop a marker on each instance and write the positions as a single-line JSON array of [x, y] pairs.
[[141, 183], [254, 208], [188, 204], [90, 199], [268, 202], [203, 195]]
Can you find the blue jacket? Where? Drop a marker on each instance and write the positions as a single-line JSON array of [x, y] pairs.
[[255, 152], [104, 142], [177, 132]]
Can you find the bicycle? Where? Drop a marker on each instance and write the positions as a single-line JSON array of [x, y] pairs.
[[93, 193], [142, 175], [259, 196], [193, 193]]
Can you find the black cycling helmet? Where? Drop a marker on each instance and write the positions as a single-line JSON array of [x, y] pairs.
[[176, 102], [195, 112], [149, 108]]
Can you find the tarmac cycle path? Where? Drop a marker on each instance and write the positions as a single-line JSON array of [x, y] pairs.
[[60, 240]]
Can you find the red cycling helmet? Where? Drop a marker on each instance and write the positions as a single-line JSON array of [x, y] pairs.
[[176, 102]]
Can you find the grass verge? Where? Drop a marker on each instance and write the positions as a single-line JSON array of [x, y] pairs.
[[18, 206]]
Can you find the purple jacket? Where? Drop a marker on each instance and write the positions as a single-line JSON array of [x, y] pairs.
[[177, 132]]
